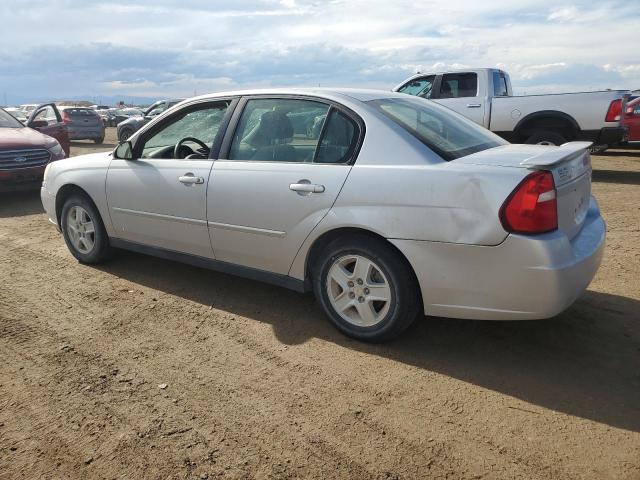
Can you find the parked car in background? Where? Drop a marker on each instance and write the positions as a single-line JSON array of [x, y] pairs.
[[631, 119], [398, 207], [132, 125], [47, 119], [24, 154], [27, 108], [123, 114], [83, 123], [484, 95], [17, 113]]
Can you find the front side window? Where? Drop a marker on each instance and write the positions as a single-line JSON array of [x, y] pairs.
[[190, 133], [456, 85], [420, 87], [279, 130], [447, 133], [47, 114]]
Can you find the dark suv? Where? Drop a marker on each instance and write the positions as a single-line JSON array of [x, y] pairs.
[[128, 127]]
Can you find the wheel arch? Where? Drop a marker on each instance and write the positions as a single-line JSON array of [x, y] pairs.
[[547, 120], [318, 245], [66, 191]]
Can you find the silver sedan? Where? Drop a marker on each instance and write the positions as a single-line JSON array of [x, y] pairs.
[[386, 206]]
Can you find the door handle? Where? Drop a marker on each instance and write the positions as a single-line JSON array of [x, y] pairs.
[[305, 187], [190, 179], [473, 105]]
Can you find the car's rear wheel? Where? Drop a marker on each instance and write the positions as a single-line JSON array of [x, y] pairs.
[[545, 137], [83, 230], [366, 288], [98, 140]]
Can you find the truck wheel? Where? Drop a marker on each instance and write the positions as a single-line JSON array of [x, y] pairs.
[[546, 137], [367, 290]]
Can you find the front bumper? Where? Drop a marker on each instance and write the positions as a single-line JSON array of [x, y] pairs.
[[606, 135], [21, 179], [525, 277], [49, 205]]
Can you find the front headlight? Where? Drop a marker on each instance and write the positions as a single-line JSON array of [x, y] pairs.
[[55, 149]]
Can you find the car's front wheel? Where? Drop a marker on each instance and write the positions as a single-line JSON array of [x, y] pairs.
[[83, 230], [366, 288]]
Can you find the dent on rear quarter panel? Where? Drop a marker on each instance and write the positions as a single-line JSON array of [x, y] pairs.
[[442, 203]]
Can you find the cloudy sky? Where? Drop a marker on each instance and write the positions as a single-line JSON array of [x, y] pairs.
[[158, 48]]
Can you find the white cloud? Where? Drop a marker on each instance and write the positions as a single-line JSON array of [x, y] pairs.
[[171, 47]]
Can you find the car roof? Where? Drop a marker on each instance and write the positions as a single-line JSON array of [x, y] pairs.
[[360, 94]]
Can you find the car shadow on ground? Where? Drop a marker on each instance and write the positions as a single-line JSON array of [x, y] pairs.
[[19, 204], [616, 176], [585, 362]]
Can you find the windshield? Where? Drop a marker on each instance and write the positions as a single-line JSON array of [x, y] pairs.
[[444, 131], [8, 121]]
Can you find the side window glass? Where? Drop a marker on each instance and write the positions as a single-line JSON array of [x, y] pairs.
[[47, 114], [338, 141], [195, 129], [420, 87], [456, 85], [499, 85], [278, 130]]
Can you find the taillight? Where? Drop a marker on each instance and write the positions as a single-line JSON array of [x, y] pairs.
[[65, 117], [532, 207], [614, 112]]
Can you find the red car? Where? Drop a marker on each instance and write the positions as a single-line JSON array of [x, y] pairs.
[[25, 152], [632, 119]]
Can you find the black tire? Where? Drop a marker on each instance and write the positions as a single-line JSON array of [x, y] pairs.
[[98, 140], [125, 133], [546, 137], [405, 305], [101, 249]]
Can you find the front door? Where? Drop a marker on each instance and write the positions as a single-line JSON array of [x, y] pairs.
[[47, 119], [158, 197], [284, 168], [460, 92]]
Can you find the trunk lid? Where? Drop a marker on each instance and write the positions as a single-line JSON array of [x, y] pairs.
[[570, 165]]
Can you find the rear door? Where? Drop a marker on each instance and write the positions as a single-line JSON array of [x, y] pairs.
[[48, 120], [158, 196], [281, 168], [460, 92]]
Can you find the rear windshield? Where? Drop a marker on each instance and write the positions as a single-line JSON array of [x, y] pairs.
[[444, 131], [80, 111], [8, 121]]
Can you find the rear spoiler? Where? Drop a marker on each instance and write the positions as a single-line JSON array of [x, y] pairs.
[[566, 151]]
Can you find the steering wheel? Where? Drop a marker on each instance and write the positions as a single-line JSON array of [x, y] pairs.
[[176, 149]]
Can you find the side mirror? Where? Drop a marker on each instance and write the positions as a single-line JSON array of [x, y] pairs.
[[38, 123], [124, 151]]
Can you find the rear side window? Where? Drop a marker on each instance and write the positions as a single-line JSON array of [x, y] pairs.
[[338, 140], [499, 85], [447, 133], [420, 87], [456, 85]]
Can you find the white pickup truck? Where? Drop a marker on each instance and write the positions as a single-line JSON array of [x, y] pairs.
[[484, 95]]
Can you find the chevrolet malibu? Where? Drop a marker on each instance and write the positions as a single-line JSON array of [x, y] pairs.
[[386, 206]]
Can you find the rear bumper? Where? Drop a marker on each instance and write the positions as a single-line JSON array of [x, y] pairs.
[[86, 133], [522, 278], [606, 135]]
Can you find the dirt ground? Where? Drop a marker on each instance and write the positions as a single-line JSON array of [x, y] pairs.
[[145, 368]]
